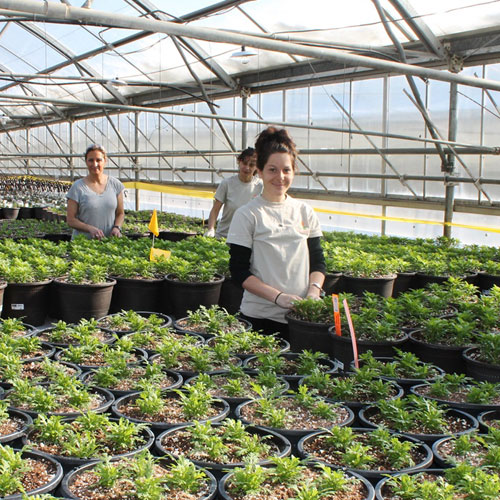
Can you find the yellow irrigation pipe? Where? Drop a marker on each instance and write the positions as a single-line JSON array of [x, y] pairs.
[[200, 193]]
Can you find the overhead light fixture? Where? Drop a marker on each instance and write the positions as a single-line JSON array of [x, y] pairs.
[[244, 55]]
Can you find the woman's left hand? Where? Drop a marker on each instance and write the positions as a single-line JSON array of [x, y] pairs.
[[115, 232]]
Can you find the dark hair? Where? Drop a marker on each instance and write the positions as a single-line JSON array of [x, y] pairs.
[[274, 140], [246, 153], [95, 147]]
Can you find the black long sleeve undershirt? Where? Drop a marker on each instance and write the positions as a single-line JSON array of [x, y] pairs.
[[239, 263]]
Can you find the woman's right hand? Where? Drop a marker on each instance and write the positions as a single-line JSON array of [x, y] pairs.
[[96, 233], [286, 300]]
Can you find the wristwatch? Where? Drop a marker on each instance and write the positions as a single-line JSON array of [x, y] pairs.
[[117, 227], [318, 286]]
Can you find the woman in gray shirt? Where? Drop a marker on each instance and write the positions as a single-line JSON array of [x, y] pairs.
[[95, 202]]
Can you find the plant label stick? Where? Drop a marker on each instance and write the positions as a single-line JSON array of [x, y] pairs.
[[353, 335], [336, 313]]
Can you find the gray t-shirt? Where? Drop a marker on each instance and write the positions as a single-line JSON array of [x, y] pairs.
[[96, 209], [277, 234], [234, 193]]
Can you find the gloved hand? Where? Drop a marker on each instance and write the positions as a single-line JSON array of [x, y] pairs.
[[209, 233]]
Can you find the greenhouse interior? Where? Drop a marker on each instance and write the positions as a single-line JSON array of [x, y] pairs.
[[263, 230]]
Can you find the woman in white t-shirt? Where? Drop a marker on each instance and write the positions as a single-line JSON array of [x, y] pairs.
[[275, 240], [234, 192], [95, 202]]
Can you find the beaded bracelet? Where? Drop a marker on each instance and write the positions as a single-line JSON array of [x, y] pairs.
[[276, 299]]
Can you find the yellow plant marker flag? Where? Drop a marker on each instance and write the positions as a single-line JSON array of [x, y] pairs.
[[153, 224], [156, 254]]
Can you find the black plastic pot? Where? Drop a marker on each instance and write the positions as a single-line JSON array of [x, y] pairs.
[[10, 213], [86, 378], [358, 286], [230, 296], [217, 468], [51, 484], [367, 413], [479, 369], [167, 320], [327, 366], [158, 426], [224, 495], [70, 478], [379, 487], [108, 401], [136, 294], [176, 235], [486, 417], [14, 438], [333, 282], [404, 282], [44, 333], [186, 297], [69, 463], [76, 301], [485, 281], [447, 357], [342, 347], [370, 474], [178, 325], [26, 213], [309, 335], [472, 408], [27, 300], [293, 434]]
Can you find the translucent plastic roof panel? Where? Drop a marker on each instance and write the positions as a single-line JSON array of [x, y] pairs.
[[95, 60]]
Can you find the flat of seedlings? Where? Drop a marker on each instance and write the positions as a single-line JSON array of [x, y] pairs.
[[186, 364], [98, 358], [290, 366], [69, 338], [297, 417]]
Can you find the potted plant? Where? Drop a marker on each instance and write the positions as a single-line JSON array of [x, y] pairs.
[[459, 391], [357, 389], [290, 478], [125, 322], [210, 321], [84, 292], [236, 386], [441, 341], [308, 325], [419, 418], [222, 446], [464, 481], [88, 437], [482, 450], [143, 476], [13, 424], [371, 453], [67, 396], [405, 368], [295, 414], [121, 378], [27, 472], [483, 362], [162, 410], [291, 366], [62, 334]]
